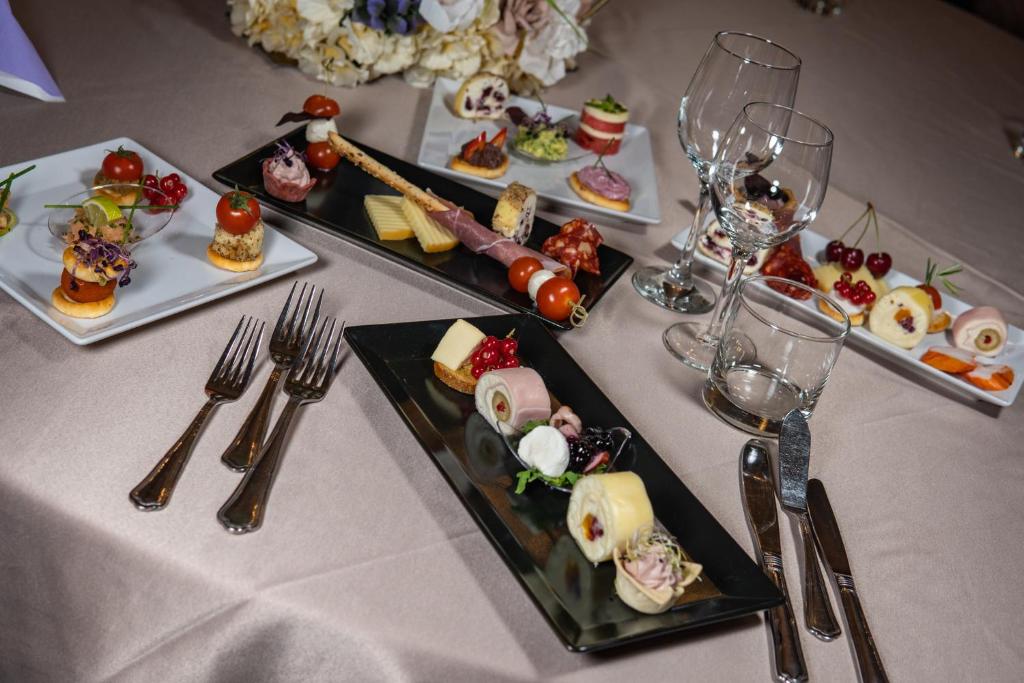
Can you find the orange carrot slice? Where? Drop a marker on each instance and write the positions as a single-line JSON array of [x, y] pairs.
[[991, 377], [948, 359]]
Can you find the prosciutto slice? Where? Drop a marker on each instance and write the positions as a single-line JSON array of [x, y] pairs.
[[481, 240]]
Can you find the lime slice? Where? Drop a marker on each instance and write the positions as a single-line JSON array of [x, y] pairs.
[[100, 210]]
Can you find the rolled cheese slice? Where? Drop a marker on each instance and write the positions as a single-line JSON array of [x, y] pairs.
[[513, 215], [980, 330], [511, 397], [605, 510], [902, 316]]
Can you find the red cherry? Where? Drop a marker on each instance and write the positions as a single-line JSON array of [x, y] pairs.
[[834, 250], [853, 258], [879, 263]]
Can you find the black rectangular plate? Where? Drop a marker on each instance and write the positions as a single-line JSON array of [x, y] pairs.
[[335, 205], [528, 531]]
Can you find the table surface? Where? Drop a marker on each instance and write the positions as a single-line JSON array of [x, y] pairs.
[[368, 567]]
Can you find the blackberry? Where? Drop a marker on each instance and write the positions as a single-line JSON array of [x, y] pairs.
[[599, 440], [580, 453]]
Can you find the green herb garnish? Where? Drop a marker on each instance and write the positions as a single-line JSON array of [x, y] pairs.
[[931, 271], [608, 104], [568, 479], [7, 182], [531, 425]]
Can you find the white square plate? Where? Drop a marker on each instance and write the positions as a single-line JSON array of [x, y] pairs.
[[445, 133], [813, 246], [173, 273]]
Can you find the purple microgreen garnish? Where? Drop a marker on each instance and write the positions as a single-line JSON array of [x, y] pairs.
[[286, 153], [99, 254]]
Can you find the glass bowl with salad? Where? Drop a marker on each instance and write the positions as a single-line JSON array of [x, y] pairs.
[[97, 212]]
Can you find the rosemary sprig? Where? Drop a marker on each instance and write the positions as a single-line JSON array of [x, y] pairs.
[[931, 271]]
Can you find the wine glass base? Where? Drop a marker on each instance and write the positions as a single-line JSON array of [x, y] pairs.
[[651, 284], [687, 342]]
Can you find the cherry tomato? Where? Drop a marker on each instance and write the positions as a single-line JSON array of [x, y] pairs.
[[321, 106], [122, 164], [557, 298], [237, 212], [84, 292], [322, 155], [520, 271]]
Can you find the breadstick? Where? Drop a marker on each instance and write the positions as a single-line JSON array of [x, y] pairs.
[[384, 174]]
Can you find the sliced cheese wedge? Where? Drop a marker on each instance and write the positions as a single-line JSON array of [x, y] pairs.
[[432, 236], [386, 215]]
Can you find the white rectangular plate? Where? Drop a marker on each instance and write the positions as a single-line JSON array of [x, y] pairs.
[[445, 133], [813, 246], [173, 273]]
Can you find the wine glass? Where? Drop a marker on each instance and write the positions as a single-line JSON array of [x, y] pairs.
[[736, 69], [768, 180]]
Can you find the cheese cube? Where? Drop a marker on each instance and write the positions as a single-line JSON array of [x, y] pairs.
[[386, 215], [457, 344], [432, 236]]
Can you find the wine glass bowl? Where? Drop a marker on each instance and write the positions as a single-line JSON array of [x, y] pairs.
[[737, 68], [768, 181]]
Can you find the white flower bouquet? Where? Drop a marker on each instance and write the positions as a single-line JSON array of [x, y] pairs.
[[531, 43]]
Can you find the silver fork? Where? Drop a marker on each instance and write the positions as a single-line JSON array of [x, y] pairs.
[[285, 345], [308, 382], [227, 382]]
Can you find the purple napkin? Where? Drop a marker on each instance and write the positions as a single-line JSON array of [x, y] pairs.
[[20, 66]]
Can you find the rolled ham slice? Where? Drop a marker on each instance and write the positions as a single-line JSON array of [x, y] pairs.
[[511, 397], [980, 330], [480, 240]]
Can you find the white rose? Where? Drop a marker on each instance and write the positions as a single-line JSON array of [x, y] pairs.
[[399, 53], [451, 15], [419, 77], [545, 52], [321, 16], [361, 43]]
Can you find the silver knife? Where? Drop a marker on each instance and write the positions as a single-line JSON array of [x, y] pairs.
[[759, 505], [830, 542], [794, 459]]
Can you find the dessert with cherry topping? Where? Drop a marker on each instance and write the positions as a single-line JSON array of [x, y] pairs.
[[853, 297]]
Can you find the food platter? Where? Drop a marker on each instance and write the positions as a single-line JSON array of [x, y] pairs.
[[444, 134], [336, 205], [173, 273], [528, 530], [1013, 355]]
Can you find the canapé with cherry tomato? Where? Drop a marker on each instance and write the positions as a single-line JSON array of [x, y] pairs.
[[238, 237]]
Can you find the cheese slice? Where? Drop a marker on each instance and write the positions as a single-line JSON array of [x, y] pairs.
[[457, 345], [385, 213], [432, 236]]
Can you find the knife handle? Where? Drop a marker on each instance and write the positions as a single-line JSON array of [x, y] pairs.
[[788, 655], [869, 663], [821, 620]]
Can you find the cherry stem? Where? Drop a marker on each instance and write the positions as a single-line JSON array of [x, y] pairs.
[[856, 222], [870, 211]]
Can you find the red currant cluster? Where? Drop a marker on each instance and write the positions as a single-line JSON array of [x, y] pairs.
[[857, 293], [171, 190], [494, 354]]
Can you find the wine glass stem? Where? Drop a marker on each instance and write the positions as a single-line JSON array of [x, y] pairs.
[[681, 272], [726, 301]]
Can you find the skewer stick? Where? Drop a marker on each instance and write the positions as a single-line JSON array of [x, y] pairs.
[[384, 174]]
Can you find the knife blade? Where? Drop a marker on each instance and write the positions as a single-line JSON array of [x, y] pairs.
[[830, 542], [759, 507], [794, 462]]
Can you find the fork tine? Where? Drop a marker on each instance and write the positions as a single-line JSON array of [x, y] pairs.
[[220, 363], [321, 360], [238, 370], [226, 370], [284, 312], [310, 352], [316, 316], [244, 380], [295, 313], [332, 365], [241, 351]]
